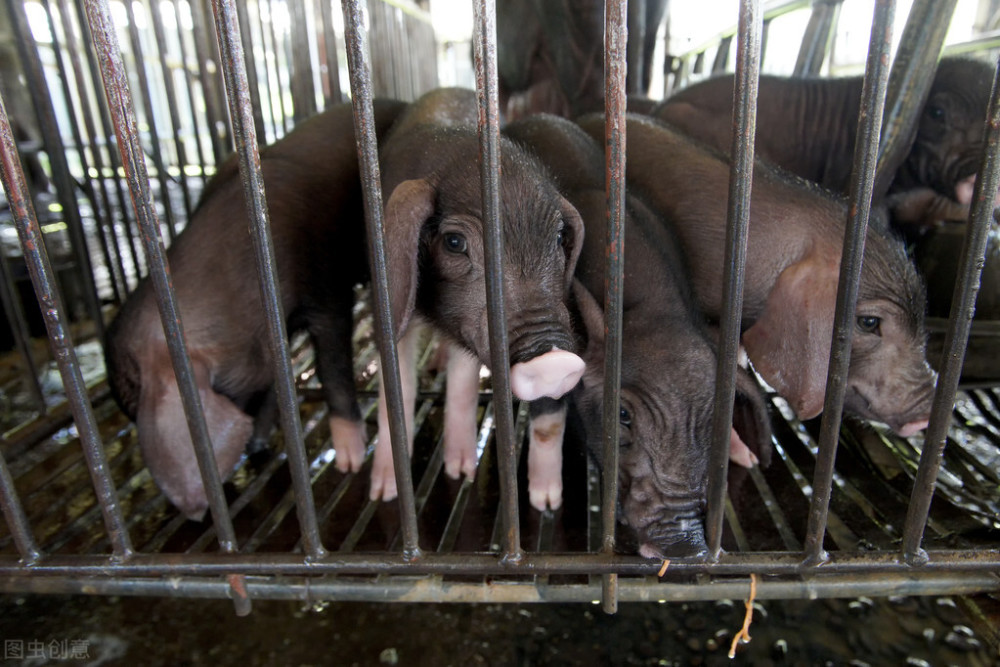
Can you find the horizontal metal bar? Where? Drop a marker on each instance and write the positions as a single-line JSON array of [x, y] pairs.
[[437, 590], [494, 564]]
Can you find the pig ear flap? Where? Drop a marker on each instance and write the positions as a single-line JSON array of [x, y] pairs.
[[409, 206], [789, 344], [592, 319], [572, 237], [751, 420]]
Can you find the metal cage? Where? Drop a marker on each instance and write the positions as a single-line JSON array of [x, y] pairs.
[[82, 514]]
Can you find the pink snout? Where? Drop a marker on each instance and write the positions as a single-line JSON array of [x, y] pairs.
[[552, 374], [964, 190], [906, 430]]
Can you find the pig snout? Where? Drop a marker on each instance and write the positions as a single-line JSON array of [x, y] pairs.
[[964, 190], [679, 539], [912, 428], [552, 374]]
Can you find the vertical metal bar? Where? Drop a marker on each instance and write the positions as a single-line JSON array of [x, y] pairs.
[[65, 187], [120, 104], [139, 59], [859, 203], [14, 312], [303, 93], [74, 127], [155, 11], [205, 53], [356, 40], [195, 125], [738, 217], [909, 83], [962, 309], [485, 44], [242, 114], [116, 267], [37, 259], [113, 158], [246, 51], [269, 88], [615, 48], [816, 40], [282, 46], [330, 47], [17, 520]]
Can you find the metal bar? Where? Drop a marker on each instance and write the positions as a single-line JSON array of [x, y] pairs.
[[738, 219], [139, 59], [242, 115], [615, 48], [485, 60], [74, 126], [356, 40], [277, 50], [155, 11], [963, 307], [27, 50], [910, 84], [14, 311], [330, 48], [193, 110], [119, 281], [268, 87], [249, 66], [113, 158], [36, 257], [303, 94], [859, 204], [437, 591], [17, 520], [206, 52], [816, 40], [777, 563]]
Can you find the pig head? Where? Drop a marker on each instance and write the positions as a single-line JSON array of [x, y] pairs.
[[314, 200], [793, 259], [809, 126]]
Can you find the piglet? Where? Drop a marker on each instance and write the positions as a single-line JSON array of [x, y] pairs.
[[668, 362], [317, 222], [793, 261]]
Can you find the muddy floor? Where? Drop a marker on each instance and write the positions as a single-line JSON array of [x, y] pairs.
[[142, 631]]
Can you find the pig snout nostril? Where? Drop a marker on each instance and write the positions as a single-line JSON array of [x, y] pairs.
[[552, 374]]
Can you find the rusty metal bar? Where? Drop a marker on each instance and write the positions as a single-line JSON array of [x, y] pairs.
[[242, 115], [155, 10], [777, 563], [36, 257], [910, 84], [14, 311], [356, 40], [484, 41], [963, 306], [249, 66], [27, 50], [189, 78], [119, 280], [330, 50], [17, 520], [206, 52], [268, 88], [738, 220], [859, 205], [139, 61], [816, 40], [615, 48]]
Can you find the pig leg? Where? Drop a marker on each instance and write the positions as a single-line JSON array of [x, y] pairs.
[[265, 411], [383, 476], [460, 405], [739, 453], [330, 330], [548, 426]]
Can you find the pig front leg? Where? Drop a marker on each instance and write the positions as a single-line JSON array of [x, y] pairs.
[[383, 482], [545, 440], [461, 400]]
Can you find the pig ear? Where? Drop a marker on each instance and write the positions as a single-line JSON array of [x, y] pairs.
[[408, 208], [789, 344], [592, 318], [573, 233], [750, 417]]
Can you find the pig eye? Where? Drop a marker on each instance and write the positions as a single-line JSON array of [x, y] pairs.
[[624, 418], [455, 243], [561, 238], [935, 112], [870, 324]]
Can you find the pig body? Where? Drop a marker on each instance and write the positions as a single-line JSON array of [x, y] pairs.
[[809, 127], [668, 362], [794, 248], [435, 245], [314, 200]]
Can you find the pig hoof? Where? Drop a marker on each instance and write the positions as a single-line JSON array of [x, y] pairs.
[[739, 453], [544, 497], [460, 463], [383, 485], [348, 444]]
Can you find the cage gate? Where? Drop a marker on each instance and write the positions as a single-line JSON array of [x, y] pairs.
[[845, 509]]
